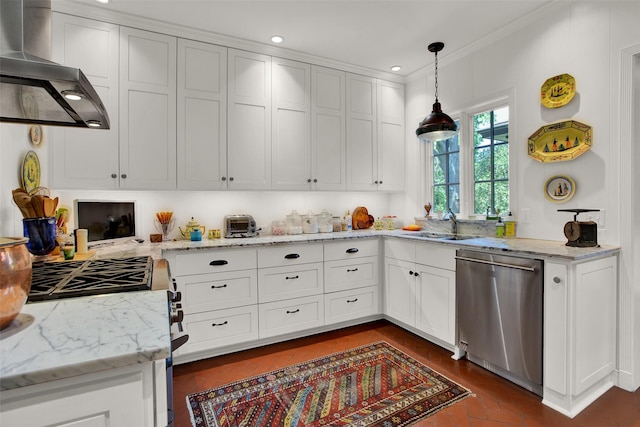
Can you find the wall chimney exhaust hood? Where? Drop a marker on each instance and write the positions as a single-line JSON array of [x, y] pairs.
[[34, 90]]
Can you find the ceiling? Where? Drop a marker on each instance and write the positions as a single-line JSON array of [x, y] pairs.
[[375, 34]]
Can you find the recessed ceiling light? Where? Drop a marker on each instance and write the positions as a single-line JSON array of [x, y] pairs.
[[277, 39], [396, 68], [103, 1], [94, 123]]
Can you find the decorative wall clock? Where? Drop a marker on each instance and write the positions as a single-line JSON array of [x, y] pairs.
[[558, 91], [560, 141]]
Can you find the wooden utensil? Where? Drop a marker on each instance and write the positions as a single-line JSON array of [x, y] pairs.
[[23, 201], [37, 203], [49, 206]]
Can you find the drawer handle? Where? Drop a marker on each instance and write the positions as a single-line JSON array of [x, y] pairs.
[[294, 311], [292, 256], [352, 300], [218, 287], [220, 324], [351, 270], [351, 250], [219, 262], [292, 277]]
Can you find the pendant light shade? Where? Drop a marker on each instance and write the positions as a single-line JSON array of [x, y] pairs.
[[437, 125]]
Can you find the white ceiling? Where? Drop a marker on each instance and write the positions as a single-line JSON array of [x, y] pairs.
[[375, 34]]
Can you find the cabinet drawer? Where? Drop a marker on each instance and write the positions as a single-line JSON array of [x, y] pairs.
[[399, 249], [216, 261], [281, 317], [279, 283], [219, 328], [351, 304], [350, 273], [351, 248], [206, 292], [289, 255], [436, 255]]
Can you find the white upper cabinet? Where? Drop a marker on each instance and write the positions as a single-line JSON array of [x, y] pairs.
[[148, 110], [202, 116], [249, 121], [328, 129], [291, 134], [362, 153], [391, 149], [87, 158], [375, 134]]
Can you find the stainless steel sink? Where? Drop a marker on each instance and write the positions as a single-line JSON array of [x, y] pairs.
[[442, 236]]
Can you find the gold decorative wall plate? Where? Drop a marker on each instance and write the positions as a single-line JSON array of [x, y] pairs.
[[558, 91], [560, 141], [559, 188]]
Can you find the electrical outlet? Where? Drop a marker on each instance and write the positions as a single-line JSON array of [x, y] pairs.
[[524, 215]]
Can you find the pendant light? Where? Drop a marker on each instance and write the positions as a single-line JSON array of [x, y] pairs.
[[437, 125]]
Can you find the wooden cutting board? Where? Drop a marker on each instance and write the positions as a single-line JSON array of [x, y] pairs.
[[76, 257]]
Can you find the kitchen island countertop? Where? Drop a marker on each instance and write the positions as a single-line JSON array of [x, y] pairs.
[[70, 337]]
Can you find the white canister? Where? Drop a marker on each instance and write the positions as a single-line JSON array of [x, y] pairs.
[[310, 223], [82, 236]]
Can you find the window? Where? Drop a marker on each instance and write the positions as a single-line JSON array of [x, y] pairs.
[[491, 161], [485, 185], [446, 175]]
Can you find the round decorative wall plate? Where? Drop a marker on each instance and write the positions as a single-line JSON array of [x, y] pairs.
[[35, 135], [558, 91], [560, 141], [30, 172], [559, 188]]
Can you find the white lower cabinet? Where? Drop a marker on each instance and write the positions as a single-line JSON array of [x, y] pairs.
[[579, 351], [420, 287], [351, 304], [219, 328], [132, 396], [281, 317]]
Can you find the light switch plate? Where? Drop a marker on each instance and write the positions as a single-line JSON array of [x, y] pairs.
[[597, 217], [524, 215]]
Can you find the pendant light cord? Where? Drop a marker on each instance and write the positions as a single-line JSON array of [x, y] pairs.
[[436, 74]]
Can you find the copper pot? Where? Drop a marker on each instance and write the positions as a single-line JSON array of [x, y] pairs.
[[15, 277]]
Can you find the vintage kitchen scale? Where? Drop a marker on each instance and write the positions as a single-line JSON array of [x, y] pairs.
[[581, 234]]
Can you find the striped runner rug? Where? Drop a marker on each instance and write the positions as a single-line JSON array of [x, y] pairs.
[[372, 385]]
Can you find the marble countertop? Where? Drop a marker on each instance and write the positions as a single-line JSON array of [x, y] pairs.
[[513, 246], [69, 337]]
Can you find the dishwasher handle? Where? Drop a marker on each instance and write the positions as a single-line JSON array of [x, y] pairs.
[[499, 264]]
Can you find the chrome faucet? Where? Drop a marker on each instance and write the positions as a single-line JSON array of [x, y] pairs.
[[454, 221]]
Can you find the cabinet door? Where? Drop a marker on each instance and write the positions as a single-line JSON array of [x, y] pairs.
[[435, 313], [328, 129], [249, 121], [362, 152], [291, 132], [400, 291], [391, 150], [86, 158], [148, 110], [202, 116]]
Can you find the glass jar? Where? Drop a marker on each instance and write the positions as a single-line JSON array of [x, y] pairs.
[[337, 224], [325, 222], [278, 228], [310, 223], [294, 223], [378, 224]]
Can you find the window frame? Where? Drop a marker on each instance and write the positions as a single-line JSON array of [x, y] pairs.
[[464, 117]]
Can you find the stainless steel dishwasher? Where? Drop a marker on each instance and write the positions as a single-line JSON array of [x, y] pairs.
[[499, 310]]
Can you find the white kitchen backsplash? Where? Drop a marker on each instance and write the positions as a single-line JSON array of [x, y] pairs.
[[210, 207]]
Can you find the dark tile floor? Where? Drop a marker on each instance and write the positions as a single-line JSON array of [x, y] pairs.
[[497, 402]]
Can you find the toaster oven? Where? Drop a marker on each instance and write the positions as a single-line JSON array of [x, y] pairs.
[[239, 226]]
